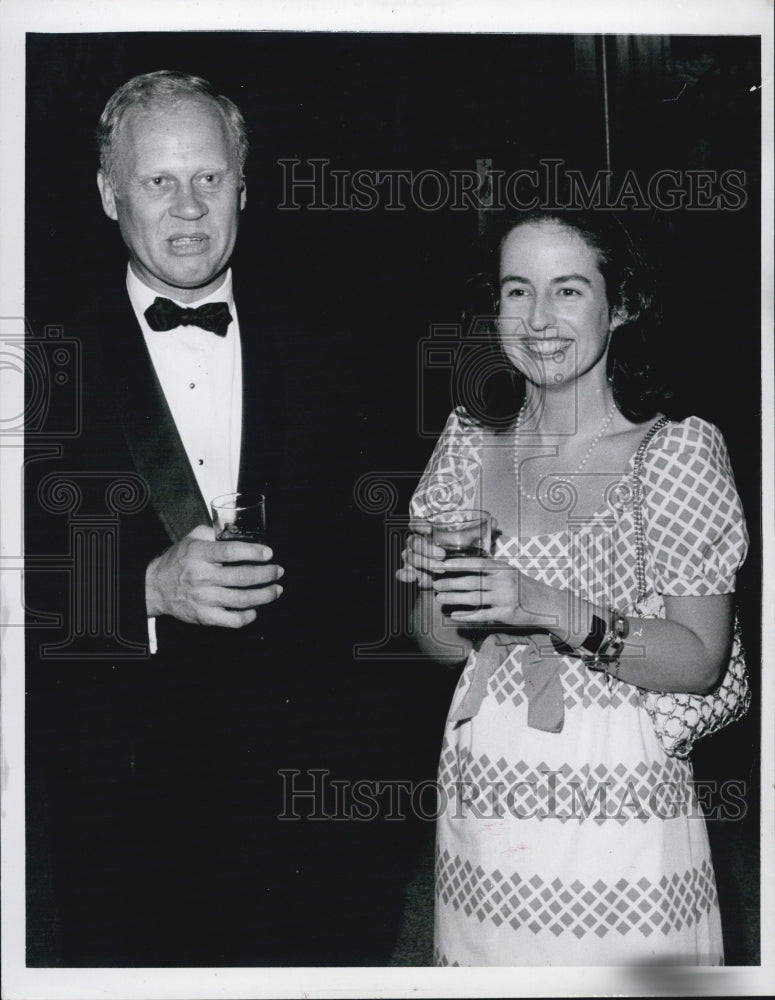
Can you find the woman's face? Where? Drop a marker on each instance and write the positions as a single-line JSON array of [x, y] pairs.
[[554, 318]]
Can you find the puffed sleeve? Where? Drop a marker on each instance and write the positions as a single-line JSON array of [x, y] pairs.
[[451, 478], [695, 527]]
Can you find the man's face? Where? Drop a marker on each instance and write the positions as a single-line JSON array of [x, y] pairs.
[[177, 195]]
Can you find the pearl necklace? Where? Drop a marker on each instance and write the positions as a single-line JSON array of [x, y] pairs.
[[595, 442]]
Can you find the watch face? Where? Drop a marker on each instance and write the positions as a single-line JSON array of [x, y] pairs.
[[619, 625], [597, 634]]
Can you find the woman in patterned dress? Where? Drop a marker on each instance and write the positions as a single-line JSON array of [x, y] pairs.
[[566, 835]]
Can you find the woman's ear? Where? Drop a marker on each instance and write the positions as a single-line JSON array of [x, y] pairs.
[[618, 316]]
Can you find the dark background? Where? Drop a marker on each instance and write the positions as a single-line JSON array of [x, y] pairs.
[[363, 289]]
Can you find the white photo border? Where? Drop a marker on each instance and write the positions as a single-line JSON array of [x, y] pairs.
[[560, 16]]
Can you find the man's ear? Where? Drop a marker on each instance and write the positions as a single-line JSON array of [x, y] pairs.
[[108, 196], [243, 196]]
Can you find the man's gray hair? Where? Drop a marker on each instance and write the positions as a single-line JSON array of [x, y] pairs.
[[157, 90]]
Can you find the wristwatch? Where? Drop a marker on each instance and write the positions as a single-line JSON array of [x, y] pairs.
[[605, 640]]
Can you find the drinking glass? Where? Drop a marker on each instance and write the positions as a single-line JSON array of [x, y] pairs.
[[239, 517], [461, 533]]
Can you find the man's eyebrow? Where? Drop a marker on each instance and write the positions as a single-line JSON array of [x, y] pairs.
[[155, 171], [554, 281]]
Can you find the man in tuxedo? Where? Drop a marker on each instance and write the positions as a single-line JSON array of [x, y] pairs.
[[171, 175], [158, 727]]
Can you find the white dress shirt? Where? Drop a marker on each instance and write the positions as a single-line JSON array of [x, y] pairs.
[[201, 376]]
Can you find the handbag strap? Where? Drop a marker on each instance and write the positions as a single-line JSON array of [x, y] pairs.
[[637, 508]]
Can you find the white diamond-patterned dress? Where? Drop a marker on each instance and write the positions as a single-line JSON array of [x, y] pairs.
[[587, 846]]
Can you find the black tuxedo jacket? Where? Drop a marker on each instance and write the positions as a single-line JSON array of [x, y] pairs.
[[161, 772]]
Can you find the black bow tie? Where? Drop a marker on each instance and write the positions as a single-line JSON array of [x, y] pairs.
[[167, 315]]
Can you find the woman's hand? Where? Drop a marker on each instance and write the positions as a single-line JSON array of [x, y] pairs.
[[421, 557], [495, 591]]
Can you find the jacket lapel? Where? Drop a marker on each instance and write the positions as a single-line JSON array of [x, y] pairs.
[[149, 429]]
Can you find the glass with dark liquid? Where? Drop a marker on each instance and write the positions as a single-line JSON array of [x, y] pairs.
[[461, 533], [240, 517]]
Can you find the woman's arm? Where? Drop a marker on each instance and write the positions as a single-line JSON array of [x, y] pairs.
[[688, 650]]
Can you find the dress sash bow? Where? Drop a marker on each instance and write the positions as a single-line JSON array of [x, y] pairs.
[[543, 687]]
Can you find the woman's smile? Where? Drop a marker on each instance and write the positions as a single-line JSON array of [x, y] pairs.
[[543, 347]]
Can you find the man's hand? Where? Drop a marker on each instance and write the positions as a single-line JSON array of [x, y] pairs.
[[207, 582]]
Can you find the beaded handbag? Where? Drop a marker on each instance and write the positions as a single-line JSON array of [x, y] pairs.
[[679, 718]]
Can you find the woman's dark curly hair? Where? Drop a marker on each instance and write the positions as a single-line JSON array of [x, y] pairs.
[[492, 390]]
